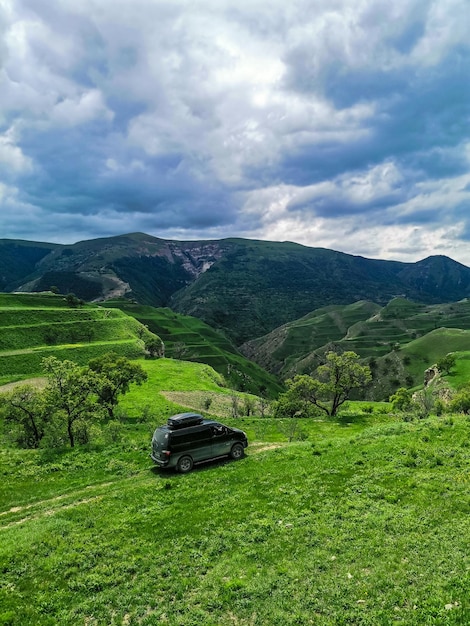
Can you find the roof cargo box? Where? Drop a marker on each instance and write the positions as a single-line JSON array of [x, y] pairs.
[[181, 420]]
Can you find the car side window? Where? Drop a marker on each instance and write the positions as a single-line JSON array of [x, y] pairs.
[[218, 430], [201, 434]]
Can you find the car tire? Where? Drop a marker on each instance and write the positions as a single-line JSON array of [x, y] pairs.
[[237, 451], [185, 464]]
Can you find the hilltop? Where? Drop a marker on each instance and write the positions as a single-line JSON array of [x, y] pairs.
[[244, 287]]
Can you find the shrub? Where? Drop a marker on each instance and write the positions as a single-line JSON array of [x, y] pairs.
[[113, 431]]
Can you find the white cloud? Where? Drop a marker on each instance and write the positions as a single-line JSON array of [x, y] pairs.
[[83, 108], [11, 156]]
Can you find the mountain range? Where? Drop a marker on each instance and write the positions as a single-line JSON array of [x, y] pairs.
[[246, 288]]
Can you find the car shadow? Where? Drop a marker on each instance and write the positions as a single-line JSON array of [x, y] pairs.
[[201, 466]]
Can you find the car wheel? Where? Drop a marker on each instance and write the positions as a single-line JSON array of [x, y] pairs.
[[185, 464], [237, 451]]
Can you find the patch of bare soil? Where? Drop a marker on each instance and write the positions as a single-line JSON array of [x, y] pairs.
[[262, 447], [40, 383]]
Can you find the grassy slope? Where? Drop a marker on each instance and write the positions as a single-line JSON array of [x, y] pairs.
[[365, 522], [35, 326], [199, 342], [402, 339], [291, 345]]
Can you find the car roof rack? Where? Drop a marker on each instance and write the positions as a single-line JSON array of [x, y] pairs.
[[182, 420]]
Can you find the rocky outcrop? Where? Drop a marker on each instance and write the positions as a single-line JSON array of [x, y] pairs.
[[196, 259], [430, 374]]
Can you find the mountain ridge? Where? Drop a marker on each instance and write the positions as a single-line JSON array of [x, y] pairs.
[[244, 287]]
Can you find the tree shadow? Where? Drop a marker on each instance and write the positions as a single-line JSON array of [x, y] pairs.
[[348, 419]]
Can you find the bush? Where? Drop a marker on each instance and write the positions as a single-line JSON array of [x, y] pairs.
[[113, 431]]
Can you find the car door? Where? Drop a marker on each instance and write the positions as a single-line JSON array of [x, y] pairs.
[[200, 446], [221, 440]]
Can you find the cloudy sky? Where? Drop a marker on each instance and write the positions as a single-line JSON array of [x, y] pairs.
[[335, 123]]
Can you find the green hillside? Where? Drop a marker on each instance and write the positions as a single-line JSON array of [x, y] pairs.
[[281, 350], [33, 326], [399, 341], [19, 259], [189, 338], [363, 522], [255, 286]]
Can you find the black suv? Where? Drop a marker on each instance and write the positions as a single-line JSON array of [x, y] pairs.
[[188, 438]]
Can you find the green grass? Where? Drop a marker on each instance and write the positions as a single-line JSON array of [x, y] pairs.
[[362, 526], [364, 521]]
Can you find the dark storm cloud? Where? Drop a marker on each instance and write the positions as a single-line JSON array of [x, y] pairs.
[[251, 118], [417, 117]]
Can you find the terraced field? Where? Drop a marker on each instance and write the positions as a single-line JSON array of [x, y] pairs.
[[189, 338], [33, 326]]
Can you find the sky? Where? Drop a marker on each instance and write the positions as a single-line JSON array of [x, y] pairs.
[[342, 124]]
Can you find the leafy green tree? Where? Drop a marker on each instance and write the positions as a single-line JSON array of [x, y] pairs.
[[115, 374], [23, 406], [402, 400], [445, 364], [72, 301], [336, 379], [296, 401], [70, 394], [154, 346]]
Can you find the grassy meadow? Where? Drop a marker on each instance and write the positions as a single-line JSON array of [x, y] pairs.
[[360, 520]]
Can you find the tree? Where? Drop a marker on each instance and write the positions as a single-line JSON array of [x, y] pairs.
[[296, 401], [154, 346], [70, 394], [115, 374], [336, 379], [402, 400], [445, 364], [72, 301], [23, 407]]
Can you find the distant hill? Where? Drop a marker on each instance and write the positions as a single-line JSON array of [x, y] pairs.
[[244, 287], [399, 341]]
